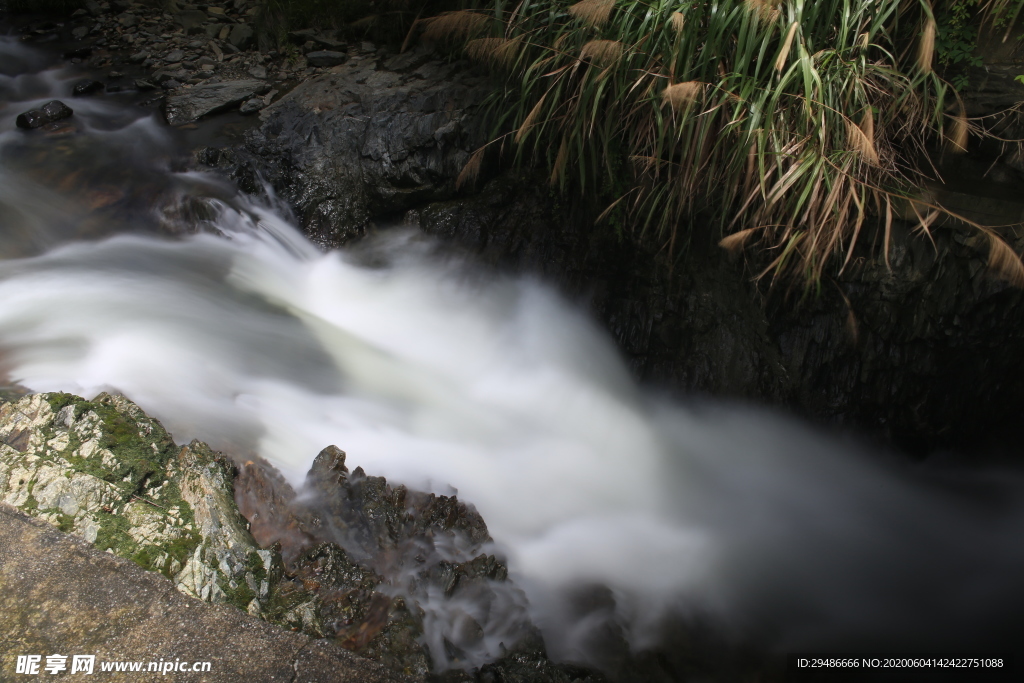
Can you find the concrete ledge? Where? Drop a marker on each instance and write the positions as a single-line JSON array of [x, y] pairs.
[[59, 595]]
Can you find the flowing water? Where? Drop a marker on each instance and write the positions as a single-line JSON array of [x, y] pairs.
[[229, 326]]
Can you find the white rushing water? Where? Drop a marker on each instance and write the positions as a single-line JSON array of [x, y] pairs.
[[439, 376]]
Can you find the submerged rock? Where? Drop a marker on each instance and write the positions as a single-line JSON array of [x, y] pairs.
[[210, 98], [54, 110], [87, 88]]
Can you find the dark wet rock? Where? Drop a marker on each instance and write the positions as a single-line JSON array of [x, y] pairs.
[[87, 88], [251, 106], [80, 53], [143, 84], [127, 20], [319, 39], [190, 20], [79, 32], [385, 142], [203, 100], [54, 110], [93, 8], [241, 36], [325, 58], [138, 57], [170, 84], [349, 534], [174, 56]]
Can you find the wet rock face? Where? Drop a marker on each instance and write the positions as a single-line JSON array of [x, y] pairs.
[[370, 139], [366, 564]]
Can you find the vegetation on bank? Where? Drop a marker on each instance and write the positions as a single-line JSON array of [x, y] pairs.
[[793, 124]]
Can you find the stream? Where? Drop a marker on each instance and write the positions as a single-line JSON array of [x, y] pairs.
[[121, 272]]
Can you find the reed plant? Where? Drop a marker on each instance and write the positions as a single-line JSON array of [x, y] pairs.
[[792, 123]]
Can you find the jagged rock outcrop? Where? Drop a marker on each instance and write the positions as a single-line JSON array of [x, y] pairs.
[[388, 572]]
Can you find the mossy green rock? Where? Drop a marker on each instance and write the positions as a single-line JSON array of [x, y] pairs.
[[105, 471]]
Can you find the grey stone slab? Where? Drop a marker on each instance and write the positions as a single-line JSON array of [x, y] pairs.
[[210, 98]]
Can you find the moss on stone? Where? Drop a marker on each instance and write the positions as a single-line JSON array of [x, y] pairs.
[[113, 535], [239, 596], [58, 400]]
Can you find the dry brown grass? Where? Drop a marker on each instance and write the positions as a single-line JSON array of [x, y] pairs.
[[957, 138], [601, 52], [784, 53], [681, 95], [471, 170], [678, 22], [862, 138], [737, 240], [531, 119], [766, 10], [593, 12], [926, 50], [460, 25], [1004, 261], [499, 52]]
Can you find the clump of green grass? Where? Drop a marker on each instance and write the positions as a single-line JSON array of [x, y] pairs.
[[793, 124]]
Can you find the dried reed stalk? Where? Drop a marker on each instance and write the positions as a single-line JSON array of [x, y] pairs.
[[530, 119], [678, 22], [471, 170], [499, 52], [786, 45], [592, 12], [601, 52], [455, 25], [927, 48], [682, 94]]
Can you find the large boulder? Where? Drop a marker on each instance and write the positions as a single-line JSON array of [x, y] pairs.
[[368, 140]]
